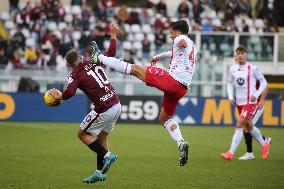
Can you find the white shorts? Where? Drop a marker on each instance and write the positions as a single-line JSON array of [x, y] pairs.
[[258, 112], [94, 123]]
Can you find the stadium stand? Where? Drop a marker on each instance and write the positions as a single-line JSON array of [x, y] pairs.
[[35, 36]]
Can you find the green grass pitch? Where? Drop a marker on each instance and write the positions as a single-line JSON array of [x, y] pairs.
[[50, 156]]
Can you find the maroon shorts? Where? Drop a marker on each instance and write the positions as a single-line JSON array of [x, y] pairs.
[[247, 111], [173, 90]]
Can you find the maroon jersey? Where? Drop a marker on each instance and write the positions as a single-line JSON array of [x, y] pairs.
[[92, 80]]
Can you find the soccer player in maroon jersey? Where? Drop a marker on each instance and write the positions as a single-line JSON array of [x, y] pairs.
[[94, 129]]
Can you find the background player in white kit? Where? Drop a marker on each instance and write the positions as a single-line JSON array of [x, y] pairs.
[[244, 77], [174, 83]]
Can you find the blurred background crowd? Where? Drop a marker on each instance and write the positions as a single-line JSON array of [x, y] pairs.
[[37, 34]]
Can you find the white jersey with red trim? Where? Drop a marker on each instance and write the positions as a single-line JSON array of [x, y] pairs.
[[244, 78], [182, 64]]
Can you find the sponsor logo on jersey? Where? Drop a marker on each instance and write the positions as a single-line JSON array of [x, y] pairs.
[[70, 79], [240, 81]]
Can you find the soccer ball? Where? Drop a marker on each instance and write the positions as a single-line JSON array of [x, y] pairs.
[[49, 100]]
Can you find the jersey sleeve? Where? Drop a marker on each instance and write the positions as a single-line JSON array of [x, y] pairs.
[[71, 88], [230, 88], [257, 73], [262, 81], [111, 51], [230, 78]]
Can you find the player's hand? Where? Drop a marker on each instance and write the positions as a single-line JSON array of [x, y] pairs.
[[260, 104], [56, 94], [154, 60], [114, 29], [232, 102], [182, 43], [252, 99]]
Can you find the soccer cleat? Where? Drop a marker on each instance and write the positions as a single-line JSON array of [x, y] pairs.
[[183, 157], [265, 150], [95, 177], [95, 52], [247, 156], [108, 162], [227, 156]]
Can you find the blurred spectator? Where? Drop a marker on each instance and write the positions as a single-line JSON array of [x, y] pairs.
[[122, 14], [19, 38], [207, 26], [127, 56], [36, 11], [60, 11], [110, 5], [30, 56], [144, 16], [133, 18], [98, 35], [76, 22], [15, 59], [160, 40], [196, 9], [66, 42], [230, 12], [146, 46], [244, 8], [183, 10], [100, 10], [14, 6], [3, 32], [3, 58], [158, 24], [86, 15], [161, 8]]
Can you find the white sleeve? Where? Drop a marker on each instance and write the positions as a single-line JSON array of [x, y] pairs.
[[230, 90], [164, 55], [230, 87], [262, 82]]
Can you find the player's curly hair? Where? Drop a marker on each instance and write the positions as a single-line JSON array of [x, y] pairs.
[[72, 57]]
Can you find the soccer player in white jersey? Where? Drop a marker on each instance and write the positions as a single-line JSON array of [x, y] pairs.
[[244, 76], [174, 83]]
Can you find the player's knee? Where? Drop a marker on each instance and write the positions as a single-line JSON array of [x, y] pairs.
[[80, 134], [138, 71]]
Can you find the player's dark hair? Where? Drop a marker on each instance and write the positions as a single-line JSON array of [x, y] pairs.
[[71, 57], [180, 25], [241, 48]]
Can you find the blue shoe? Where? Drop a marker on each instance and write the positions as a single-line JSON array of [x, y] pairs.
[[108, 162], [95, 52], [183, 148], [95, 177]]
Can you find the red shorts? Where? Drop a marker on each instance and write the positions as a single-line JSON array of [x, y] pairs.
[[173, 90], [247, 111]]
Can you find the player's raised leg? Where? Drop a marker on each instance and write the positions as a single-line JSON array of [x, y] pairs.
[[116, 64]]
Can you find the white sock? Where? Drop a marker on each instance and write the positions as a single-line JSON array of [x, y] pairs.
[[255, 132], [175, 132], [118, 65], [237, 137]]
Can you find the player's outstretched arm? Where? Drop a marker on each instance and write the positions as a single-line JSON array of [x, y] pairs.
[[263, 95], [111, 51], [161, 56]]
